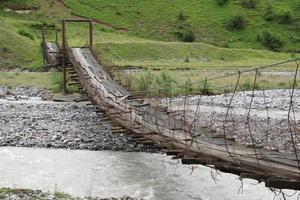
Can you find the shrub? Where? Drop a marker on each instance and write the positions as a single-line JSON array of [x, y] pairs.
[[187, 60], [164, 81], [5, 49], [226, 45], [186, 35], [118, 13], [145, 80], [252, 4], [42, 25], [237, 23], [205, 88], [221, 2], [26, 33], [269, 15], [258, 38], [271, 41], [20, 4], [184, 30], [248, 85], [182, 16], [285, 17]]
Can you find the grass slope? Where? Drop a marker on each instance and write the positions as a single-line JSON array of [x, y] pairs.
[[50, 80], [146, 19], [153, 54], [123, 50], [20, 33], [158, 19], [17, 50]]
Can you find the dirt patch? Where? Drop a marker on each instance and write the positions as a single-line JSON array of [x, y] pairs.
[[22, 11]]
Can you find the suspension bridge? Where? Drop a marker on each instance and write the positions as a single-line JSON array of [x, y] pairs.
[[181, 126]]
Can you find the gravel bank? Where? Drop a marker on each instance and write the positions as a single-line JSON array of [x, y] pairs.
[[268, 118], [30, 122], [19, 92], [21, 194]]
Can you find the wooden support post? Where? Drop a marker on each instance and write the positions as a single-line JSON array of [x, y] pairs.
[[91, 33], [44, 46], [56, 37], [63, 29]]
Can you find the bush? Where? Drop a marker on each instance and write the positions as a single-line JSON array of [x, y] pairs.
[[186, 35], [271, 41], [221, 2], [5, 49], [145, 80], [282, 16], [184, 30], [182, 16], [164, 81], [269, 15], [25, 33], [20, 4], [252, 4], [237, 23], [42, 25], [118, 13], [285, 17]]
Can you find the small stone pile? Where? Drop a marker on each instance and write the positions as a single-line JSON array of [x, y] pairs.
[[22, 194]]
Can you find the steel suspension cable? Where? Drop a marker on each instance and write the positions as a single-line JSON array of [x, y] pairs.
[[289, 115]]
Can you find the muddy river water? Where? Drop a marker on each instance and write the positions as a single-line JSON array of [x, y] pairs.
[[107, 173]]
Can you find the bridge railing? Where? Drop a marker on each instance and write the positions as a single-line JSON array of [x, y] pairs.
[[258, 108]]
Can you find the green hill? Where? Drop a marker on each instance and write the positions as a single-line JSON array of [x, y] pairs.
[[150, 33], [166, 20]]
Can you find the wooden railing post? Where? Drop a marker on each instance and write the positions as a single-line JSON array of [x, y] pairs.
[[44, 45], [91, 33], [63, 29]]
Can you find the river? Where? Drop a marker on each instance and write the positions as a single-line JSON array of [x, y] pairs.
[[108, 173]]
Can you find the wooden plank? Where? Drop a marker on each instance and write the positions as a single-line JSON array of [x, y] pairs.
[[283, 184]]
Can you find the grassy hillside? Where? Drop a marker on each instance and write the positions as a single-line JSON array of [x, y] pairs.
[[161, 20], [17, 50], [50, 80], [123, 50], [20, 32], [171, 55], [147, 36]]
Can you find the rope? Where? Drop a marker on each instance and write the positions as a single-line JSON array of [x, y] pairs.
[[289, 115], [106, 43], [228, 75], [248, 116], [226, 116]]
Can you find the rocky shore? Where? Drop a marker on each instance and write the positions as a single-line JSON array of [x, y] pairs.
[[268, 118], [19, 92], [22, 194], [28, 121]]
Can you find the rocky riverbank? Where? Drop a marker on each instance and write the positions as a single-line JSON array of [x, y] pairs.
[[19, 92], [22, 194], [267, 121], [28, 121]]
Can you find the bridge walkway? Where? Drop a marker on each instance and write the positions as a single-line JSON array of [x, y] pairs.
[[153, 123]]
